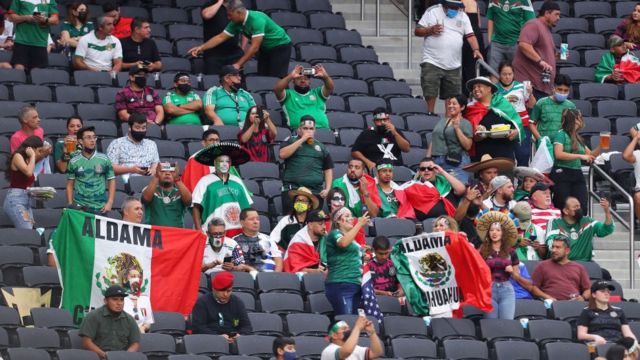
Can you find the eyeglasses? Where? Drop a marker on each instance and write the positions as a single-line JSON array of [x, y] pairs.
[[90, 138]]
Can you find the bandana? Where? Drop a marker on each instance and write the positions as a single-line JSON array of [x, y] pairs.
[[384, 166], [336, 327]]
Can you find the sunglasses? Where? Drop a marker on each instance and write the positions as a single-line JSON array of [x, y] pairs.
[[425, 168]]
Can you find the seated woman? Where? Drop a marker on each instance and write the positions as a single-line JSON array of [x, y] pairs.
[[303, 202], [600, 322], [629, 29], [75, 26]]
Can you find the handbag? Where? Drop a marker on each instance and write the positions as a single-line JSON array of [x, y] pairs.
[[454, 159]]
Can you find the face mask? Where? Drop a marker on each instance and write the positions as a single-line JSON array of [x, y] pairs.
[[345, 335], [354, 181], [289, 355], [141, 81], [184, 88], [89, 151], [216, 242], [138, 135], [300, 207], [234, 87], [505, 84], [82, 16], [577, 215], [381, 129], [451, 13], [560, 97], [301, 89], [223, 166]]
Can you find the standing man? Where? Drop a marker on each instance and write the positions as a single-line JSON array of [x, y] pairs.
[[138, 97], [221, 194], [133, 154], [302, 100], [220, 312], [443, 27], [306, 251], [99, 50], [166, 198], [91, 182], [536, 52], [307, 163], [580, 229], [359, 189], [382, 141], [269, 41], [182, 105], [344, 342], [109, 328], [32, 21], [139, 49], [214, 21], [228, 103], [259, 251], [506, 18]]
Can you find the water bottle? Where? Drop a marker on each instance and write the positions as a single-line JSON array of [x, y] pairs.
[[66, 50]]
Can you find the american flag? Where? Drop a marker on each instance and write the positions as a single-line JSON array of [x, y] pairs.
[[369, 299]]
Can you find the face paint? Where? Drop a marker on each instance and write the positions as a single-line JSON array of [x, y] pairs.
[[223, 164]]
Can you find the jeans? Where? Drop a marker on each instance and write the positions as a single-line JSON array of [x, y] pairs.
[[503, 299], [456, 171], [344, 297], [523, 150], [17, 206]]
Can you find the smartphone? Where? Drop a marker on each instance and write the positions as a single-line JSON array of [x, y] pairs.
[[362, 313], [146, 62], [167, 167], [227, 259], [233, 334], [36, 13], [260, 113], [308, 71], [144, 168]]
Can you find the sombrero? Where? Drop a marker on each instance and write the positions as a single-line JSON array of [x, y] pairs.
[[481, 80], [208, 155], [522, 172], [486, 161], [303, 191], [509, 230]]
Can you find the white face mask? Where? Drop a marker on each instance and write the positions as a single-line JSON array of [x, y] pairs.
[[217, 242], [223, 164]]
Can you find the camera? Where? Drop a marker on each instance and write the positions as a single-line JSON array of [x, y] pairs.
[[308, 72], [167, 167]]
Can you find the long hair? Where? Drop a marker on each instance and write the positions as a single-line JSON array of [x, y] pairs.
[[452, 223], [486, 249], [30, 142], [247, 120], [70, 18], [592, 303], [569, 119], [633, 28], [616, 352]]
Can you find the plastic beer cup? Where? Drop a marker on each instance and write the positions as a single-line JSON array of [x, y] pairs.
[[605, 136]]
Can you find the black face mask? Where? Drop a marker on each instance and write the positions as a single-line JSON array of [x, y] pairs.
[[138, 135], [234, 87], [301, 89], [578, 214], [82, 16], [506, 85], [89, 151], [353, 181], [345, 335], [184, 88], [381, 129], [141, 81]]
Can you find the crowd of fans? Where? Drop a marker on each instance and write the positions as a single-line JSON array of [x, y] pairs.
[[476, 177]]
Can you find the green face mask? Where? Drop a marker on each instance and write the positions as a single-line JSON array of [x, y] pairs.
[[300, 207]]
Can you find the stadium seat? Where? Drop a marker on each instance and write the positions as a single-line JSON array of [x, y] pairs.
[[394, 227], [184, 31], [313, 283], [631, 309], [289, 20], [605, 26], [125, 355], [350, 87], [464, 348], [53, 111], [314, 54], [449, 328], [592, 9], [340, 38], [338, 70], [389, 305], [335, 103], [597, 91], [175, 64], [342, 120], [312, 6], [96, 112], [27, 354], [421, 123], [307, 324], [624, 8], [58, 61], [207, 345], [408, 106], [54, 127], [12, 76], [617, 108], [238, 357], [592, 57], [170, 149], [256, 345], [387, 89], [579, 75], [10, 109], [494, 330], [76, 95], [134, 11], [568, 25], [75, 340], [281, 303], [568, 310], [414, 348], [4, 93], [248, 300], [76, 354], [170, 323], [358, 55], [304, 36], [584, 106], [271, 6], [12, 260], [39, 338], [157, 344], [49, 77], [318, 304], [564, 350], [166, 16], [259, 170], [278, 282], [188, 357], [530, 309], [544, 330], [404, 327], [20, 237], [365, 104], [508, 350], [266, 324], [92, 78], [326, 21]]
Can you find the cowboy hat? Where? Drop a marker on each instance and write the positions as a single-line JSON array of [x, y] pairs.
[[303, 191], [208, 155], [486, 161], [481, 80], [509, 230], [522, 172]]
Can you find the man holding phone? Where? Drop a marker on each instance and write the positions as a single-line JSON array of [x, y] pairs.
[[166, 198], [139, 49], [344, 341], [220, 312], [32, 20], [222, 253]]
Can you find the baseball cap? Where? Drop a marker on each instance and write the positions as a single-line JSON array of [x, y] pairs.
[[601, 285], [134, 70], [115, 291], [180, 75], [228, 70], [317, 215], [539, 186], [498, 182]]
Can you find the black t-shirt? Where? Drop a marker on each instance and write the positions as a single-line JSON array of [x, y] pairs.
[[374, 146], [139, 51], [213, 27], [606, 323], [495, 147]]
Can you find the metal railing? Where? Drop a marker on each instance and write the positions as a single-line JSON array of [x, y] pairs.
[[377, 15], [629, 225]]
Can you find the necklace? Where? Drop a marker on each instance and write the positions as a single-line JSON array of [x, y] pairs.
[[166, 198]]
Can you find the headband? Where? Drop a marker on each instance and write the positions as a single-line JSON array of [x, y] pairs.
[[380, 116], [340, 213], [307, 122], [336, 327], [384, 166]]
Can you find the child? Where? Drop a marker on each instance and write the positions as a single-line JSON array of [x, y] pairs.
[[383, 272]]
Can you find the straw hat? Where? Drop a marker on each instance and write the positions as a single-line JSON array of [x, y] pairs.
[[303, 191], [509, 230], [486, 161], [522, 172]]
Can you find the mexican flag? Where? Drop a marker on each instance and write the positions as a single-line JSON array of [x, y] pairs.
[[302, 252], [94, 252], [440, 272], [353, 200], [423, 196]]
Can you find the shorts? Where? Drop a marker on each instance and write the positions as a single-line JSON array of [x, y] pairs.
[[30, 56], [435, 80]]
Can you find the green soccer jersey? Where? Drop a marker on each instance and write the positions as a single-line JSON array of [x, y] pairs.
[[256, 24], [165, 209], [231, 108], [388, 203], [580, 235], [176, 99], [306, 166], [344, 264], [296, 105], [564, 139], [509, 17], [28, 33], [75, 32], [90, 176], [547, 115]]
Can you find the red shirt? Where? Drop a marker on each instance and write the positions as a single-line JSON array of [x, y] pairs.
[[258, 145], [20, 136], [122, 29]]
